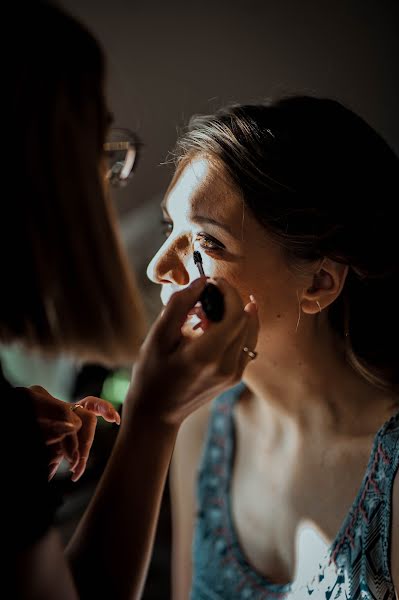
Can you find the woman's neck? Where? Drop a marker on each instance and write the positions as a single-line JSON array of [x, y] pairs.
[[312, 385]]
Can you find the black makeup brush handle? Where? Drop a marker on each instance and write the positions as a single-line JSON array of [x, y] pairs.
[[212, 302]]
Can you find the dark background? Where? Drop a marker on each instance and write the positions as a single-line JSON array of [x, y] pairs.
[[170, 59]]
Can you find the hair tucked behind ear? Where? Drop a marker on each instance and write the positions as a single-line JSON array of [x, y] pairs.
[[310, 150]]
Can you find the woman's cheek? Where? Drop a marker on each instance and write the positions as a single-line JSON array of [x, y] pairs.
[[232, 272], [211, 266], [215, 266]]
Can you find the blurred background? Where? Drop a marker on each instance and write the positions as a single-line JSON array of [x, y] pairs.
[[167, 61]]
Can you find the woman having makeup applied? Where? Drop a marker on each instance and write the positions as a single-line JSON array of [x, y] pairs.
[[287, 486], [67, 288]]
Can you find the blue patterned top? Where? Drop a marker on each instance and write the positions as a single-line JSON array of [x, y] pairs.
[[356, 566]]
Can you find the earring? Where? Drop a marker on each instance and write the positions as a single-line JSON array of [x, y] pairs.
[[318, 304]]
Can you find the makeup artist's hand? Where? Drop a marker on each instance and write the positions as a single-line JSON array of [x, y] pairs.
[[69, 433], [176, 374]]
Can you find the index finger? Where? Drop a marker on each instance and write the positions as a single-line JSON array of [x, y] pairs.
[[166, 331]]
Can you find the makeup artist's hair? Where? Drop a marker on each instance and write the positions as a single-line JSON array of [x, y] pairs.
[[66, 285], [316, 150]]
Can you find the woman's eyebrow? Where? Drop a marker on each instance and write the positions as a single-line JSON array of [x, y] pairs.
[[201, 220]]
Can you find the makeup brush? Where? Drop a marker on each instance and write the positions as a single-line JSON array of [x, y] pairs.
[[211, 298], [198, 262]]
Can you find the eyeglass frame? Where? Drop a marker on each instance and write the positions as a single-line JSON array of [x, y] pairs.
[[132, 145]]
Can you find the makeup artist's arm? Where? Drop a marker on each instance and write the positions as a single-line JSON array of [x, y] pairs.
[[110, 551]]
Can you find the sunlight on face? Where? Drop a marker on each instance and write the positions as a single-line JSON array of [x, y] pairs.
[[200, 213]]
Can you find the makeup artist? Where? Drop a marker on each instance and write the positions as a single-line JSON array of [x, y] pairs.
[[67, 288]]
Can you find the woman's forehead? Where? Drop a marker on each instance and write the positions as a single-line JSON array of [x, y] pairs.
[[201, 187]]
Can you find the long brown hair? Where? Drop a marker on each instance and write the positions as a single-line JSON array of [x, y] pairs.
[[67, 285], [304, 149]]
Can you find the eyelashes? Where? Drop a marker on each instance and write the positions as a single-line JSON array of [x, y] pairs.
[[167, 227], [206, 241]]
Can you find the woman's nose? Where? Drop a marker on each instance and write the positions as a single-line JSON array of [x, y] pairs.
[[168, 265]]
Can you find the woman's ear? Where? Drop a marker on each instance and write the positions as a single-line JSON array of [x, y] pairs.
[[326, 286]]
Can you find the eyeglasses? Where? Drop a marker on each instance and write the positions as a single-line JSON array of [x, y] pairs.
[[122, 152]]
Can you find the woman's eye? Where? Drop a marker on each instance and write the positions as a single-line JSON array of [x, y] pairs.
[[167, 227], [208, 243]]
